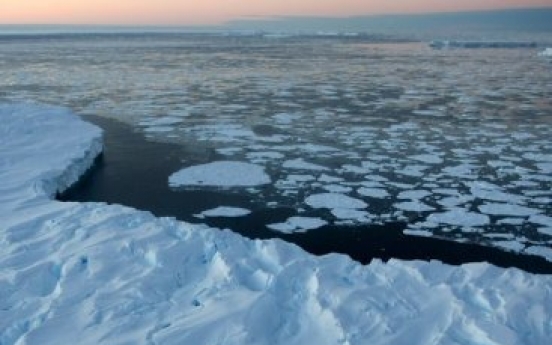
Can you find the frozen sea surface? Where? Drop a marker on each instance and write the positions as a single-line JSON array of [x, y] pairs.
[[107, 273], [378, 123]]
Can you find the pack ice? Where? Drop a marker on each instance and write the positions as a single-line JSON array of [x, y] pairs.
[[106, 274]]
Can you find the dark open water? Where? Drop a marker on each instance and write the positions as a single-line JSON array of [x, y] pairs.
[[134, 172]]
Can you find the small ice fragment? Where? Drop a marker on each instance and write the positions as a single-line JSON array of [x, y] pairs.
[[334, 200], [413, 194], [298, 224], [459, 217], [378, 193], [413, 206], [350, 214], [301, 164], [428, 158], [513, 210]]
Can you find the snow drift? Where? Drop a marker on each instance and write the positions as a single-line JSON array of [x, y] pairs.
[[108, 274]]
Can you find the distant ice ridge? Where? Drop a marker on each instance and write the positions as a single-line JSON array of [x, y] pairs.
[[110, 274]]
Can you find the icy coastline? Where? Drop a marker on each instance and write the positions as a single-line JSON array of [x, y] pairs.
[[110, 274]]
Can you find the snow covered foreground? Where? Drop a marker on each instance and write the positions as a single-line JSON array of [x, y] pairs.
[[95, 273]]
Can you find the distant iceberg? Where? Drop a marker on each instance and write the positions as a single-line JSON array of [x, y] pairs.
[[445, 44]]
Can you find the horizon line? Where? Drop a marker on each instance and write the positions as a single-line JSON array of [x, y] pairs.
[[277, 18]]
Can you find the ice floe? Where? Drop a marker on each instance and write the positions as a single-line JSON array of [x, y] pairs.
[[378, 193], [225, 211], [301, 164], [499, 209], [459, 217], [298, 224], [334, 201], [413, 194], [221, 174], [413, 206]]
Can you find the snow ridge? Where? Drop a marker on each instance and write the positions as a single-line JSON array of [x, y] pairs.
[[108, 274]]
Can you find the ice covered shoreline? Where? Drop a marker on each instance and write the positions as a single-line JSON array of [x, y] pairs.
[[110, 274]]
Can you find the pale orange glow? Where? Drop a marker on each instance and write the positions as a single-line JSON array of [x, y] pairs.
[[193, 12]]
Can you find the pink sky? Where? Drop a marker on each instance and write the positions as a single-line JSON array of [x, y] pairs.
[[192, 12]]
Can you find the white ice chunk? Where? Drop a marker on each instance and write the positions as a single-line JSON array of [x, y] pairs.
[[225, 211], [334, 200], [336, 188], [351, 214], [428, 158], [413, 170], [298, 224], [545, 252], [546, 231], [499, 209], [413, 194], [416, 232], [413, 206], [158, 129], [514, 246], [378, 193], [301, 164], [453, 201], [285, 118], [221, 174], [329, 179], [541, 220], [511, 221], [491, 192], [459, 217]]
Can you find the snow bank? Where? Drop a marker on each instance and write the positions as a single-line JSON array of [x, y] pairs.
[[110, 274]]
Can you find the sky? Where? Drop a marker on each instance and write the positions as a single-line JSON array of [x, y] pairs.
[[213, 12]]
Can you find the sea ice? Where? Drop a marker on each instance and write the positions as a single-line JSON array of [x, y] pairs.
[[351, 214], [459, 217], [221, 174], [541, 220], [514, 210], [298, 224], [428, 158], [300, 164], [491, 192], [378, 193], [333, 201], [413, 206], [225, 211], [413, 194], [337, 188], [453, 201]]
